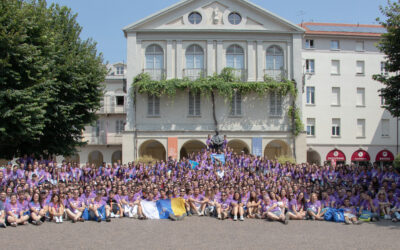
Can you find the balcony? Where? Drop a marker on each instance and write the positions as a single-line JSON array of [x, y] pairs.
[[240, 74], [103, 139], [155, 74], [193, 74], [276, 74], [112, 109]]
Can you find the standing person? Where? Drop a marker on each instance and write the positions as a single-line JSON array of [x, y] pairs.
[[76, 206], [15, 214], [37, 212]]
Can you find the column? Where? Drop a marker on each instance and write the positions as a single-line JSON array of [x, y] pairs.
[[179, 59], [251, 63], [260, 61], [210, 58], [220, 54], [169, 60]]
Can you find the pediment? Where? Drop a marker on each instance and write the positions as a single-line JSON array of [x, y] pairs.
[[214, 15]]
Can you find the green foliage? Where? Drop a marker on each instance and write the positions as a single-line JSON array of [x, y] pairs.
[[396, 162], [390, 45], [225, 84], [49, 79], [298, 124], [283, 159]]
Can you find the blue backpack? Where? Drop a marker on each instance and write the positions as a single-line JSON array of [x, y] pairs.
[[338, 216], [328, 216]]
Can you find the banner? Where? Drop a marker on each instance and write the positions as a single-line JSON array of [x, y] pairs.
[[173, 147], [220, 157], [257, 146], [193, 164]]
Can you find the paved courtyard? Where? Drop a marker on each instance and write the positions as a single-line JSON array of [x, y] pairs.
[[202, 233]]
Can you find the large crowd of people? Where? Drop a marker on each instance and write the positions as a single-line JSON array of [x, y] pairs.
[[242, 187]]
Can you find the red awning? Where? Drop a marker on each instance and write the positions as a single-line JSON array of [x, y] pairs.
[[360, 155], [384, 155], [336, 155]]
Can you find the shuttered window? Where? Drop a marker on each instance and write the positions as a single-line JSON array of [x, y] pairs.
[[236, 104], [153, 106], [275, 104], [194, 104]]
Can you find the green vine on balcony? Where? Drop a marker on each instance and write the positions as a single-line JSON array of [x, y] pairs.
[[224, 84]]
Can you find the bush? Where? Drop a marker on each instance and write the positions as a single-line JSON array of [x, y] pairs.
[[147, 159], [396, 162], [285, 158]]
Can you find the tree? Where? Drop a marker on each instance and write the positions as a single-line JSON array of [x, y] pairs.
[[49, 79], [390, 45]]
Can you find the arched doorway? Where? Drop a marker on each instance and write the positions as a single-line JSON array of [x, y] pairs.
[[190, 147], [72, 159], [277, 148], [238, 146], [153, 149], [96, 157], [313, 157], [116, 156]]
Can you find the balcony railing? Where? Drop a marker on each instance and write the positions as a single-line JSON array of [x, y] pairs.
[[193, 74], [155, 74], [112, 109], [275, 74], [104, 139], [240, 74]]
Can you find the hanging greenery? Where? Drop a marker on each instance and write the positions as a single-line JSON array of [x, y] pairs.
[[298, 124], [225, 84]]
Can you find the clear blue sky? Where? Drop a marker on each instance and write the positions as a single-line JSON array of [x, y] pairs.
[[103, 20]]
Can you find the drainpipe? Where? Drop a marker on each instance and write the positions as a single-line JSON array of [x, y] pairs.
[[135, 125]]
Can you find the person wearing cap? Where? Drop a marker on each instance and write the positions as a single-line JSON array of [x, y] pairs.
[[98, 207]]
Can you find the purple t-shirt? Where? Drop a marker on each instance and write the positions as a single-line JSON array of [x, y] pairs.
[[314, 206], [224, 204], [78, 203], [36, 206], [15, 209]]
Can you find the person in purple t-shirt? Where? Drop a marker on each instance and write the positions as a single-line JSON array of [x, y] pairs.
[[223, 206], [75, 207], [15, 214], [97, 204], [314, 208], [37, 212], [2, 215], [350, 214]]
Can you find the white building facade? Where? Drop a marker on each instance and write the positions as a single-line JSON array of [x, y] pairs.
[[342, 109], [200, 38], [332, 65]]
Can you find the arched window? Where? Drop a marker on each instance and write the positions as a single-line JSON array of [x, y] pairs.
[[154, 57], [194, 57], [275, 62], [235, 57]]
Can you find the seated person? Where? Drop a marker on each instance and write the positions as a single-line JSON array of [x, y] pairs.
[[76, 206], [350, 214], [314, 208], [37, 212], [15, 213]]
